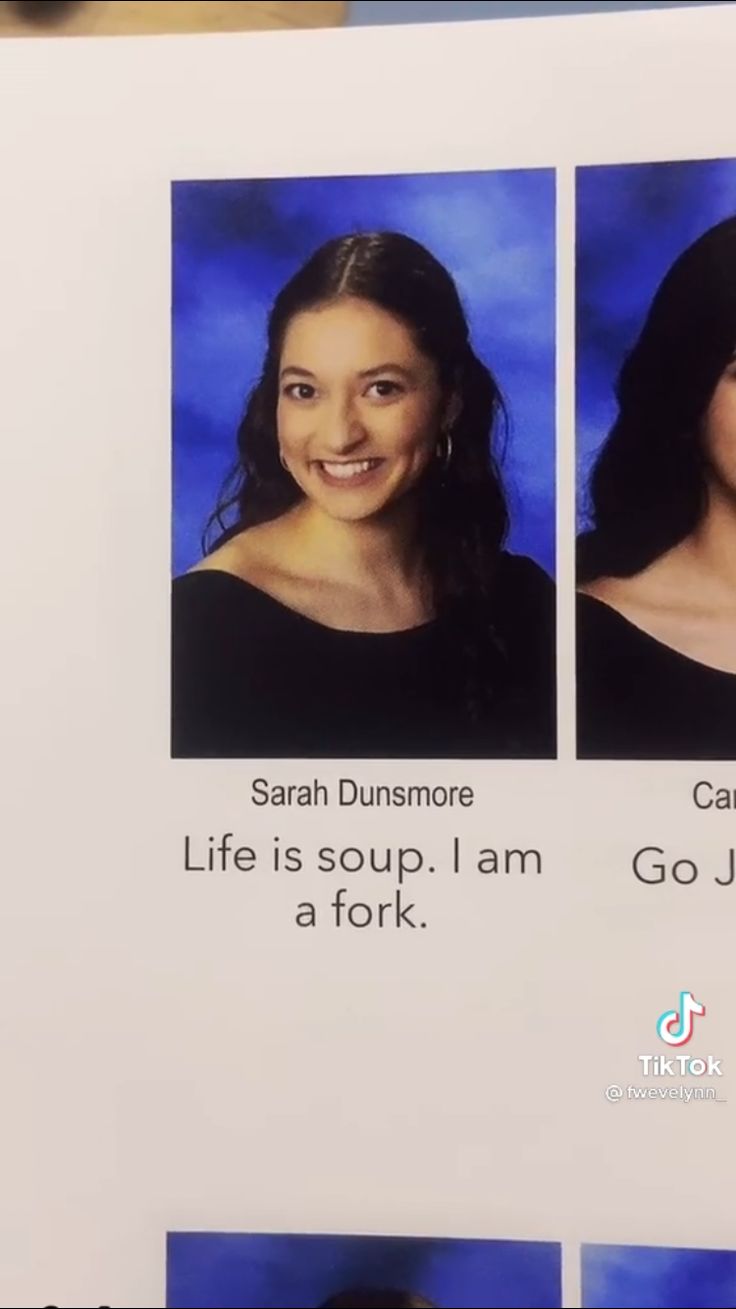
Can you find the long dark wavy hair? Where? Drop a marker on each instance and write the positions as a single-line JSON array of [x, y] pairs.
[[648, 490], [376, 1299], [463, 513]]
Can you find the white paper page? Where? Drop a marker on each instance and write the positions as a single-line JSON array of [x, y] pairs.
[[178, 1055]]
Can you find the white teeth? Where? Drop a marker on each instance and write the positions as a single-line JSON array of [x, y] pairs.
[[345, 471]]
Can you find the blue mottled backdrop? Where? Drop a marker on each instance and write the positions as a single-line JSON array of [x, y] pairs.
[[236, 243], [296, 1272], [631, 1277], [633, 221]]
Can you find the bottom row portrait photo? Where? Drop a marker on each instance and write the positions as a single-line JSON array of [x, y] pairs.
[[371, 1272], [335, 1272], [647, 1277]]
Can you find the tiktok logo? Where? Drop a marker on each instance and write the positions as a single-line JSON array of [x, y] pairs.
[[675, 1026]]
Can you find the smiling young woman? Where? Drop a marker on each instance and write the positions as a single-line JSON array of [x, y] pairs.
[[657, 609], [357, 600]]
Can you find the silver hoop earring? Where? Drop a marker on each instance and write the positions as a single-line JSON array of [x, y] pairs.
[[444, 450]]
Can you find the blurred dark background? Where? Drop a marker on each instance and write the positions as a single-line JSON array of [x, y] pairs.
[[121, 17]]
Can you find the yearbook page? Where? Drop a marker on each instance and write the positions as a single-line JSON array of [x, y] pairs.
[[368, 711]]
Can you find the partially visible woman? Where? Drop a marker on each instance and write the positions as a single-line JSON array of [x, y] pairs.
[[657, 572], [376, 1299], [357, 599]]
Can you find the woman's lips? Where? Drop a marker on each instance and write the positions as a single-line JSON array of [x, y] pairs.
[[347, 473]]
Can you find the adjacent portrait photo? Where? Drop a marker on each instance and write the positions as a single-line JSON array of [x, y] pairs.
[[653, 1277], [364, 467], [360, 1272], [656, 408]]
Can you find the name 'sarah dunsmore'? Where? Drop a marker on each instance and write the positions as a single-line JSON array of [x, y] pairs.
[[347, 794]]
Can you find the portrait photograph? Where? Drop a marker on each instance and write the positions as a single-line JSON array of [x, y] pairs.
[[360, 1272], [656, 446], [363, 479], [655, 1277]]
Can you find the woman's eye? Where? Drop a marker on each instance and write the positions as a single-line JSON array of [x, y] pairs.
[[383, 389], [300, 391]]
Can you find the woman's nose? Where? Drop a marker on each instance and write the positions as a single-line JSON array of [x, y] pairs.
[[341, 429]]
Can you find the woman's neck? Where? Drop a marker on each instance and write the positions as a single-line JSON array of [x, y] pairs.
[[366, 553], [711, 548]]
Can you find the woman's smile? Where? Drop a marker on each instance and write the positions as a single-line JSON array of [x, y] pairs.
[[348, 474]]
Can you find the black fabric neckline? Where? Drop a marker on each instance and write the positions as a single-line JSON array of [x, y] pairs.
[[616, 616], [240, 583]]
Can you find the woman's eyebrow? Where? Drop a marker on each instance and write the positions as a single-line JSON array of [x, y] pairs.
[[297, 372], [387, 368]]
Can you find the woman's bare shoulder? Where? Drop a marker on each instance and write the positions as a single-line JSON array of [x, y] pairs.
[[649, 589], [251, 555], [612, 591]]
